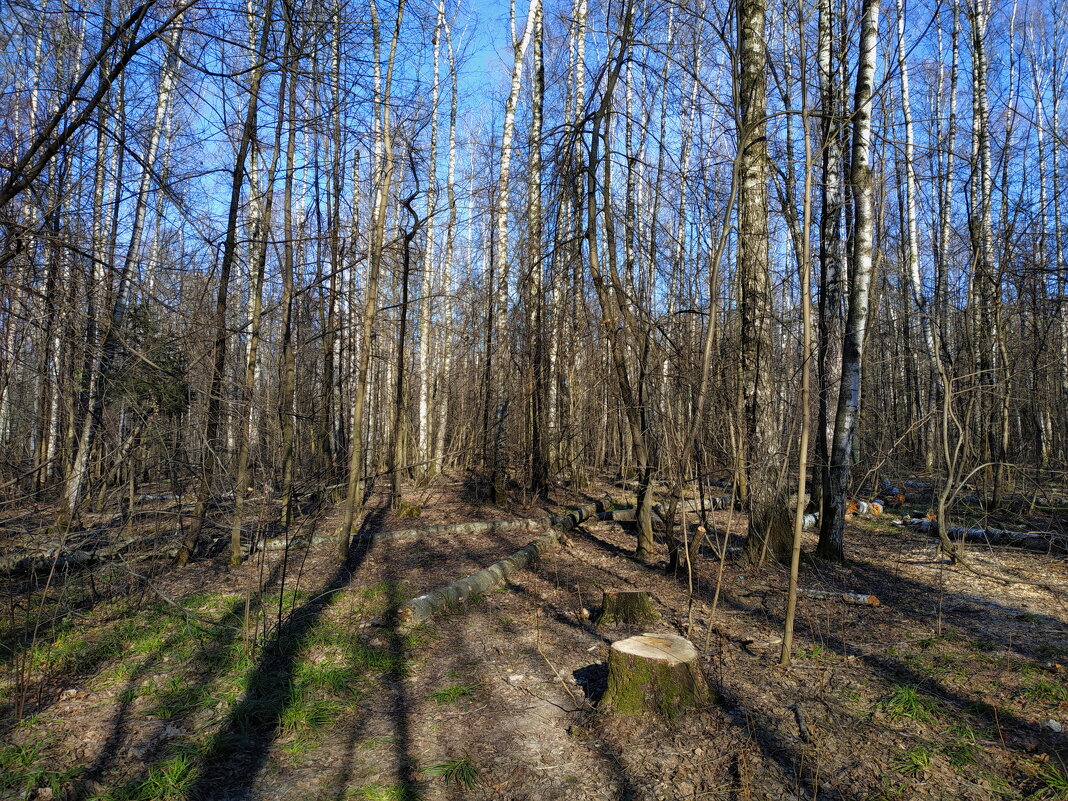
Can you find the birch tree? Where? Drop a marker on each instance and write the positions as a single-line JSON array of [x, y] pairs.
[[832, 525]]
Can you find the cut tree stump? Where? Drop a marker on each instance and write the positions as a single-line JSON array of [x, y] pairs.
[[654, 673], [629, 607]]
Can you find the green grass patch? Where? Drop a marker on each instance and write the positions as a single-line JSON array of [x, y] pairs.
[[1045, 691], [327, 677], [961, 746], [1053, 784], [25, 766], [454, 693], [916, 761], [169, 780], [303, 715], [906, 703]]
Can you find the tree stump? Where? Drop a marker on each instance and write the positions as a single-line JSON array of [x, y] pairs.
[[658, 673], [629, 607]]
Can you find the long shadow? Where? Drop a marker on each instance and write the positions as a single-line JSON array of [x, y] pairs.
[[401, 702], [966, 608], [899, 672], [784, 754], [591, 679], [406, 786], [18, 643], [204, 669], [237, 753]]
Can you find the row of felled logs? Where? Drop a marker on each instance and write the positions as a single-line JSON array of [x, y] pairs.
[[1042, 542], [427, 605]]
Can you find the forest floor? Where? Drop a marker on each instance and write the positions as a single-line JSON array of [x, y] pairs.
[[289, 678]]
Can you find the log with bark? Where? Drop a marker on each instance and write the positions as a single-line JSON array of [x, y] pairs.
[[629, 515], [60, 558], [654, 673], [858, 598], [427, 605], [1039, 541]]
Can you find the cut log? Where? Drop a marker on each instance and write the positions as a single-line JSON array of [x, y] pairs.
[[628, 515], [426, 606], [627, 607], [1041, 542], [845, 597], [654, 673]]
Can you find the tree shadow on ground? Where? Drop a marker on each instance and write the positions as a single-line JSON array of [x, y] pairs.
[[187, 692], [237, 753]]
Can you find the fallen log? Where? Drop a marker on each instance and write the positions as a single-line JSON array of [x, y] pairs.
[[54, 557], [1040, 542], [845, 597], [714, 504], [427, 605], [629, 515]]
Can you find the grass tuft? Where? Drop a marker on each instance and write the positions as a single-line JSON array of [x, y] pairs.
[[461, 771], [916, 761], [454, 693], [963, 747], [1046, 691], [905, 703], [1054, 784], [308, 715]]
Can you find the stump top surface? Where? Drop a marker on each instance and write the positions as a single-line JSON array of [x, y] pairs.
[[668, 648]]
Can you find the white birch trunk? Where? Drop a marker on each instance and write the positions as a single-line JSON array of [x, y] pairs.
[[426, 376]]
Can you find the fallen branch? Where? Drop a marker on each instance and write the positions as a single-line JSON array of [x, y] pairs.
[[46, 559], [426, 606]]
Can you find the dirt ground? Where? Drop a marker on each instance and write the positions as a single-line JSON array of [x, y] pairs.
[[289, 678]]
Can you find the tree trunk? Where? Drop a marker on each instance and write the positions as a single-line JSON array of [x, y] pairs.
[[769, 523], [832, 522]]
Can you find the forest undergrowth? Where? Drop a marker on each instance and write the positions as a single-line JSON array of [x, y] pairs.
[[290, 677]]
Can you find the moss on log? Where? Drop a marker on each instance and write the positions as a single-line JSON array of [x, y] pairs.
[[654, 673]]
